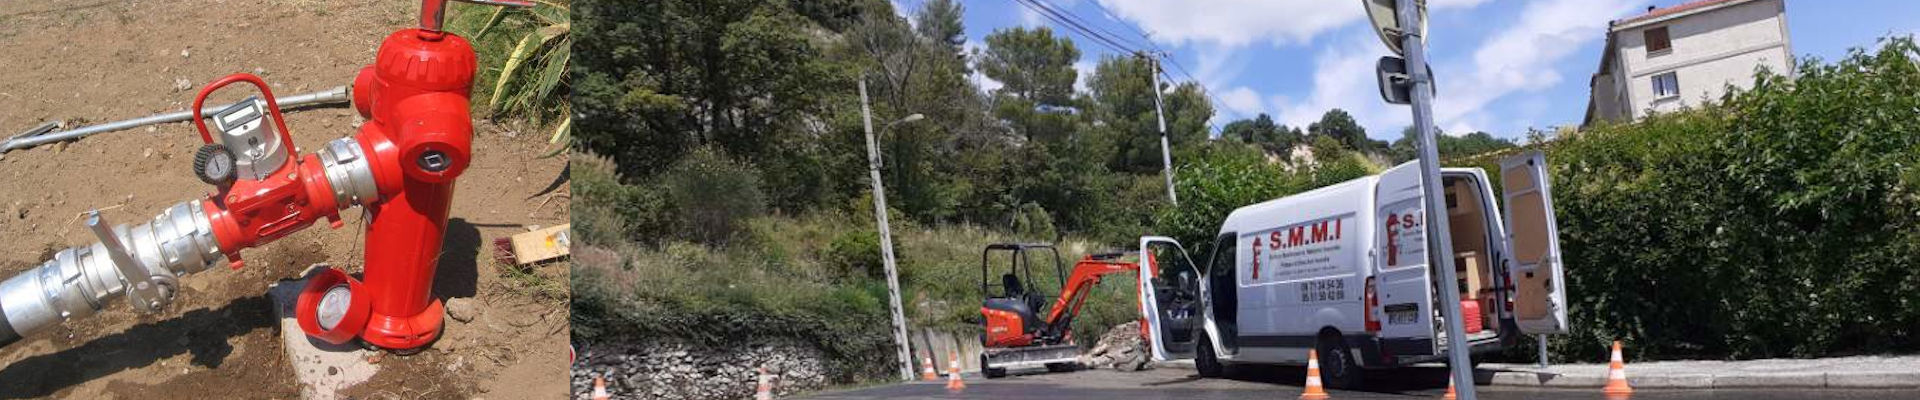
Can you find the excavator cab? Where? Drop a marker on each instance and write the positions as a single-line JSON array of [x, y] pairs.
[[1016, 295], [1028, 313]]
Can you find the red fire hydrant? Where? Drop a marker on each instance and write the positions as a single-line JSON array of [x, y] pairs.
[[419, 137], [400, 167]]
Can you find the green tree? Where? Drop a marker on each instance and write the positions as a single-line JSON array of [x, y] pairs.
[[1262, 132], [1340, 126], [1032, 65], [1123, 101], [1406, 147], [940, 21], [654, 79]]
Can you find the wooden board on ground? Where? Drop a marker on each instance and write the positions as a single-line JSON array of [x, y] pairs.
[[541, 244]]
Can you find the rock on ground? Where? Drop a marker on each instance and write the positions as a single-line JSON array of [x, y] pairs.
[[1121, 348]]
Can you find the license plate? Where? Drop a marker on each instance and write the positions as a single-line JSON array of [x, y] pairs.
[[1403, 314]]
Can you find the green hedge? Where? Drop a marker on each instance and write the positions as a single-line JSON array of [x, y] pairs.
[[1780, 222]]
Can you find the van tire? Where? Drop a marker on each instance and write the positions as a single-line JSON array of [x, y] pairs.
[[1337, 366], [1205, 362]]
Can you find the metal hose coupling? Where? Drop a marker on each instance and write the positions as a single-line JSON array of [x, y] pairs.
[[142, 262]]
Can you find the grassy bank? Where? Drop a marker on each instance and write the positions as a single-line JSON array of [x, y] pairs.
[[817, 278]]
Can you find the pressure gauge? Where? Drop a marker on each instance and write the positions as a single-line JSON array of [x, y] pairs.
[[214, 165], [333, 306]]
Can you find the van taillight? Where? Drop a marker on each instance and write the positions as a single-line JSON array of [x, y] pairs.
[[1372, 303]]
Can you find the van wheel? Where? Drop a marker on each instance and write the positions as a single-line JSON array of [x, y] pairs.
[[1337, 366], [1205, 362]]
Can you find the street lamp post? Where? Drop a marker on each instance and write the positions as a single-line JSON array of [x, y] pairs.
[[886, 236]]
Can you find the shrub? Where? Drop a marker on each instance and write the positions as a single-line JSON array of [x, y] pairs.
[[1032, 222], [1778, 223], [607, 211], [713, 195], [1219, 181], [856, 254]]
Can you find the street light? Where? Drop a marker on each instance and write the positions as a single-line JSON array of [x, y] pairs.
[[909, 118], [883, 133], [886, 236]]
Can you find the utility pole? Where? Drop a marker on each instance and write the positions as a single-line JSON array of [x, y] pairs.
[[1166, 156], [886, 237], [1440, 246]]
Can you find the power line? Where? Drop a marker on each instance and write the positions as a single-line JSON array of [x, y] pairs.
[[1072, 23], [1083, 23], [1109, 13], [1074, 27]]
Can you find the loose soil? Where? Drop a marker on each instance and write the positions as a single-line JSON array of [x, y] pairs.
[[94, 61]]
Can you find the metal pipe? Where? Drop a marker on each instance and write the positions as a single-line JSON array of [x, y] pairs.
[[338, 94], [80, 281], [43, 128], [145, 261]]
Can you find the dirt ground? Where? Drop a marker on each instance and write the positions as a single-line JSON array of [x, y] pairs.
[[106, 60]]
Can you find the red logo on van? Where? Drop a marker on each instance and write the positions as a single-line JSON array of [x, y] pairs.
[[1256, 258]]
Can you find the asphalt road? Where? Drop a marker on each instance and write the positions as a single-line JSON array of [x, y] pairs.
[[1277, 383]]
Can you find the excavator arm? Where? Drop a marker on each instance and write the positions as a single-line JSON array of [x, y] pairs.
[[1086, 274]]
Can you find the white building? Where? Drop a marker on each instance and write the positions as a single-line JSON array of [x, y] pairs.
[[1679, 56]]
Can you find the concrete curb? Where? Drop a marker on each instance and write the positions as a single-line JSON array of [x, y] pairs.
[[1498, 375], [1838, 380]]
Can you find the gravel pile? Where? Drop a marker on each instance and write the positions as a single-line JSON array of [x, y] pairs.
[[1121, 348]]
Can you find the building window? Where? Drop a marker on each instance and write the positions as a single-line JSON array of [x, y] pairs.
[[1666, 85], [1657, 40]]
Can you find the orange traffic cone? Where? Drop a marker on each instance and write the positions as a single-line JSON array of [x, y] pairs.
[[1450, 394], [1314, 391], [1617, 375], [599, 389], [765, 392], [926, 368], [954, 384]]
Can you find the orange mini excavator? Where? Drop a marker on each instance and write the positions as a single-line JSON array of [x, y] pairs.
[[1015, 335]]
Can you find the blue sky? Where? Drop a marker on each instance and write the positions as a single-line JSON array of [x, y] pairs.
[[1502, 65]]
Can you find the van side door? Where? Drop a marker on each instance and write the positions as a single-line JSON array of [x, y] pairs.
[[1400, 260], [1170, 298], [1533, 235]]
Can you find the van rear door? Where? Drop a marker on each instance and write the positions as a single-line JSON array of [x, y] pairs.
[[1533, 235], [1400, 256], [1169, 298]]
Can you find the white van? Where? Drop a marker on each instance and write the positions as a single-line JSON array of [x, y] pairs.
[[1343, 269]]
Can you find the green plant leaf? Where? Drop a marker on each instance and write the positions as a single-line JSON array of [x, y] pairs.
[[561, 136], [499, 14], [520, 54]]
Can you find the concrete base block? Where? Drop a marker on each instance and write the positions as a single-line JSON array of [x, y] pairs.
[[322, 369]]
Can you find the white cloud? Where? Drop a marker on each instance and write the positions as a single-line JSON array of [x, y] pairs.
[[1524, 57], [1343, 78], [1030, 18], [1239, 22], [902, 10], [1241, 100], [1085, 69], [987, 85]]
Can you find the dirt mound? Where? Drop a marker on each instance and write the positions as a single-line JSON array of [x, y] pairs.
[[1121, 348]]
